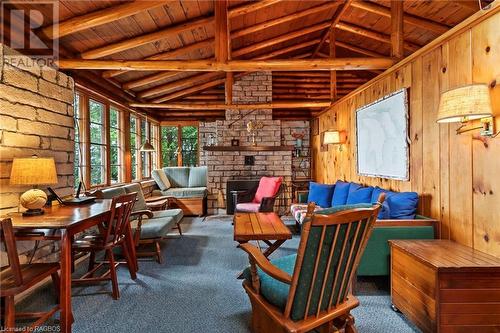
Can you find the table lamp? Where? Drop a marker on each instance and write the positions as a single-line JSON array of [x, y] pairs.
[[33, 171]]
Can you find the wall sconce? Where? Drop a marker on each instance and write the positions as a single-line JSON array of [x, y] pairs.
[[467, 103], [335, 137]]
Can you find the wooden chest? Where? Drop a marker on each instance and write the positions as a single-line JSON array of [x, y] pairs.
[[446, 287]]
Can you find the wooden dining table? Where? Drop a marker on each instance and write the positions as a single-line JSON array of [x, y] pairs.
[[68, 221]]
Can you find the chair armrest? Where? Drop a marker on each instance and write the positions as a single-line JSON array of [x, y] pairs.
[[158, 205], [140, 213], [264, 264], [267, 204], [155, 199]]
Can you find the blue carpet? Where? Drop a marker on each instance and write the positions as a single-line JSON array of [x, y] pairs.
[[196, 290]]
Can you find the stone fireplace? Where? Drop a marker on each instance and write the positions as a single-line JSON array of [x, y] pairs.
[[243, 162]]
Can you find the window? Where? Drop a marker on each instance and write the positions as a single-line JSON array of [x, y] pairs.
[[134, 147], [189, 145], [179, 145], [97, 143], [169, 144], [145, 156], [156, 144], [101, 131], [77, 165], [115, 148]]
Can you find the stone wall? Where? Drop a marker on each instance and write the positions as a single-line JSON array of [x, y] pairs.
[[224, 166], [36, 117]]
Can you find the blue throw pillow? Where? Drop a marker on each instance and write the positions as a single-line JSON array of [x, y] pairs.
[[321, 194], [360, 195], [385, 210], [340, 193], [403, 205]]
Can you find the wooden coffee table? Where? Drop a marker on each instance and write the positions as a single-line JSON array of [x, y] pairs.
[[266, 227]]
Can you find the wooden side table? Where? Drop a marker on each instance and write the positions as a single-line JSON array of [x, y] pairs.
[[266, 227], [443, 286]]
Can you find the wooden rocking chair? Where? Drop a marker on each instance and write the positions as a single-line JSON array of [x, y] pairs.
[[311, 290]]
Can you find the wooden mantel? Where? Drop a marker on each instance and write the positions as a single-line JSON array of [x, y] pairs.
[[248, 148]]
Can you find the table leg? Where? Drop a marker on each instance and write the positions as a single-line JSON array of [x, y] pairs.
[[272, 247], [65, 290]]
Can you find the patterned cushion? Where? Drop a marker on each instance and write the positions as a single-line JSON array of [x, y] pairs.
[[250, 207], [299, 211], [274, 291]]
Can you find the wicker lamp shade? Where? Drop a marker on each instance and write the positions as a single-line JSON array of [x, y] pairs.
[[33, 171], [465, 103]]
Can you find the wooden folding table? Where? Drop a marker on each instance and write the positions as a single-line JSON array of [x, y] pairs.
[[266, 227]]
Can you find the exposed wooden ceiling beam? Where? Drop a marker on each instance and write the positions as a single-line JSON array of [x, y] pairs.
[[194, 23], [336, 18], [252, 7], [358, 49], [179, 83], [279, 39], [222, 40], [212, 106], [230, 66], [414, 20], [99, 17], [283, 19], [169, 54], [190, 90], [292, 48], [134, 42], [397, 33], [379, 36], [237, 53], [333, 54]]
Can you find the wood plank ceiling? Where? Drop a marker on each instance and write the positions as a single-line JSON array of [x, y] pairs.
[[258, 30]]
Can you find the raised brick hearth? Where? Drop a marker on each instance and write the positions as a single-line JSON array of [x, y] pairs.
[[229, 165]]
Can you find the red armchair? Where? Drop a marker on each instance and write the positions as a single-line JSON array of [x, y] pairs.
[[260, 199]]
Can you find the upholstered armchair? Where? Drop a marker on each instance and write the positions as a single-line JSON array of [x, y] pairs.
[[260, 198]]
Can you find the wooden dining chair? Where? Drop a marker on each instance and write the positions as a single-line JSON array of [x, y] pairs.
[[311, 289], [16, 278], [112, 234]]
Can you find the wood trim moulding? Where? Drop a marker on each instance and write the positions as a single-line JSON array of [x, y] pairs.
[[468, 23], [248, 148]]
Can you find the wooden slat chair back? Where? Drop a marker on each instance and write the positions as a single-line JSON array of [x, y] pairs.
[[113, 232], [329, 252], [121, 208], [16, 278], [7, 238]]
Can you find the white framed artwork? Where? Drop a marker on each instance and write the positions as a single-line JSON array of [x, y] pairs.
[[382, 143]]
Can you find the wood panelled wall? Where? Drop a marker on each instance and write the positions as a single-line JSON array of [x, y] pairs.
[[457, 175]]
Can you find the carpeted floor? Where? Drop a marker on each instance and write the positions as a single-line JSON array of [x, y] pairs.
[[196, 290]]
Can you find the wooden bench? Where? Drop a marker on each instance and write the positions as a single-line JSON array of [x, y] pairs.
[[443, 286]]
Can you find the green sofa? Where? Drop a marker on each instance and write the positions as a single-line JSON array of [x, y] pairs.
[[376, 258]]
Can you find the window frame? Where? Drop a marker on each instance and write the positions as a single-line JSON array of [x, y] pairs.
[[179, 126], [124, 149]]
